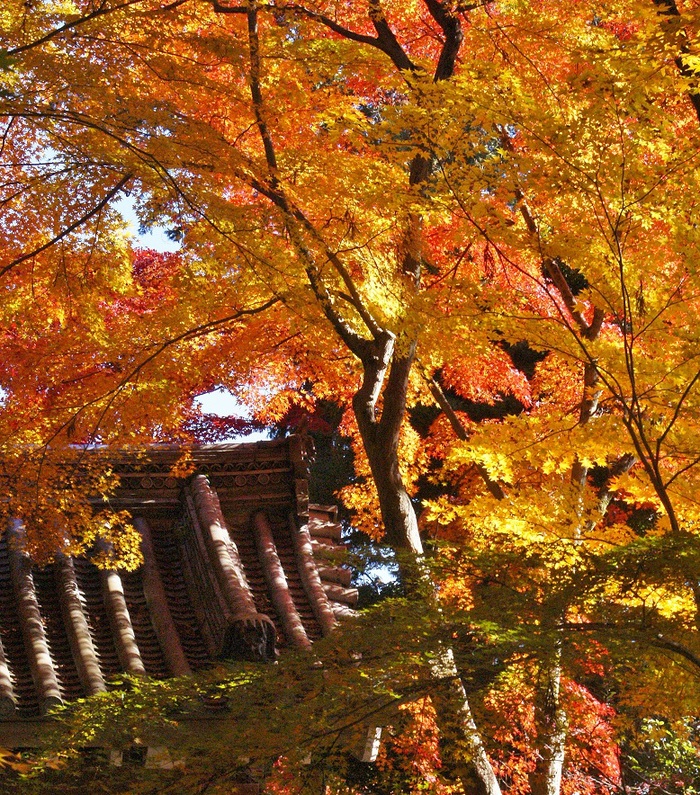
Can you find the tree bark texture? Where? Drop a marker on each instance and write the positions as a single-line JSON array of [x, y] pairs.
[[551, 723], [463, 751], [381, 436]]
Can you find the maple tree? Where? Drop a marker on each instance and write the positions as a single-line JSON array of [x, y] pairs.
[[377, 204]]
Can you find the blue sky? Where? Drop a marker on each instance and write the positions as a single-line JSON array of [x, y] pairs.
[[155, 239]]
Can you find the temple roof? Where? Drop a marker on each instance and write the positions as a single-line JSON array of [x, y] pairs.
[[231, 571]]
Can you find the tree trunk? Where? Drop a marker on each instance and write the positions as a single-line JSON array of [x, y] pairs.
[[550, 719], [463, 751], [398, 513], [380, 438], [464, 754]]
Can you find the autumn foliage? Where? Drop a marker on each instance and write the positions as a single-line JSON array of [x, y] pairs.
[[458, 241]]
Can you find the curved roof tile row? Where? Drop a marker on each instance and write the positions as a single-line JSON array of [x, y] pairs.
[[230, 570]]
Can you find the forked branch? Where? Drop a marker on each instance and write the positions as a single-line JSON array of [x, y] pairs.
[[71, 228]]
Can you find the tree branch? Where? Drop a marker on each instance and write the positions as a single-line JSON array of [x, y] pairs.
[[256, 94], [331, 24], [386, 40], [99, 12], [395, 392], [86, 217], [294, 216], [670, 10], [662, 642], [460, 431], [589, 331], [420, 167], [192, 333], [452, 29]]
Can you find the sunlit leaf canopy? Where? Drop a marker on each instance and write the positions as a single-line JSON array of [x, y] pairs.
[[483, 215], [564, 135]]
